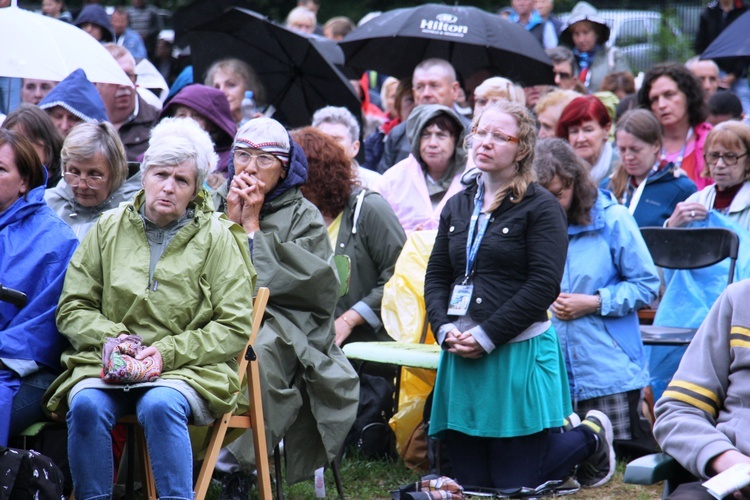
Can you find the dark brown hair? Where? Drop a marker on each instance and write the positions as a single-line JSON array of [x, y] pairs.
[[330, 178], [37, 126], [555, 157], [27, 161]]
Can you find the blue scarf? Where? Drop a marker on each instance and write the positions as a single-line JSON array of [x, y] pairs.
[[585, 58]]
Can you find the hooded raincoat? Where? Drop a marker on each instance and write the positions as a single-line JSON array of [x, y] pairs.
[[81, 219], [77, 95], [404, 186], [35, 246], [311, 391], [603, 352], [198, 320], [213, 105]]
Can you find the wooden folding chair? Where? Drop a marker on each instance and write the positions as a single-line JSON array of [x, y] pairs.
[[252, 419]]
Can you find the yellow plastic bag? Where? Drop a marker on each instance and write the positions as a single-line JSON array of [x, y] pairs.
[[404, 317]]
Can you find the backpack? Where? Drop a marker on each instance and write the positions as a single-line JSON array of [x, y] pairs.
[[371, 435], [29, 474]]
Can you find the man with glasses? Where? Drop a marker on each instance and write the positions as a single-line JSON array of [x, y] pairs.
[[128, 112], [565, 68]]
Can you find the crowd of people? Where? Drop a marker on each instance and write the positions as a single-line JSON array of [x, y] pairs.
[[140, 222]]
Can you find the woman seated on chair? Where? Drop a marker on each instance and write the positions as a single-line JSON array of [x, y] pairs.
[[164, 268], [361, 225], [310, 390], [35, 246], [726, 152], [609, 275]]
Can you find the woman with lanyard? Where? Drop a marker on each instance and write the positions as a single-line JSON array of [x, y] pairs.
[[609, 275], [675, 97], [587, 34], [649, 187], [494, 271]]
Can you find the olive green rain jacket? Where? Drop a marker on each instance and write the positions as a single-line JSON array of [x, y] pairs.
[[197, 311]]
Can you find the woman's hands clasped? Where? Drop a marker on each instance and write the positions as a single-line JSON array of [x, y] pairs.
[[463, 344], [245, 200], [570, 306]]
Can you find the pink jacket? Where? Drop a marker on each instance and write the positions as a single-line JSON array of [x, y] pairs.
[[405, 188]]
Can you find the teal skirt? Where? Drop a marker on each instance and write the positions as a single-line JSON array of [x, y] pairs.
[[517, 390]]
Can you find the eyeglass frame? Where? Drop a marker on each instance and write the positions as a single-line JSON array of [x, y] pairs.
[[724, 158], [495, 138], [102, 178], [257, 157]]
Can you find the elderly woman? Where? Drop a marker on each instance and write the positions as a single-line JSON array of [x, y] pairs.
[[418, 187], [586, 34], [34, 124], [648, 187], [585, 124], [210, 108], [548, 109], [35, 246], [310, 389], [727, 159], [493, 272], [609, 275], [675, 97], [96, 176], [361, 225], [73, 101], [128, 279], [233, 77]]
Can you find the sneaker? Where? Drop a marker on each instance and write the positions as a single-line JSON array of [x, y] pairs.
[[236, 486], [571, 422], [599, 467]]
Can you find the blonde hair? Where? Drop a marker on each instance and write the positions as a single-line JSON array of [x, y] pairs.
[[555, 98], [526, 135], [499, 87], [731, 134]]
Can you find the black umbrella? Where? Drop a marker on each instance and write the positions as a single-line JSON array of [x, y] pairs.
[[295, 69], [469, 38], [732, 42]]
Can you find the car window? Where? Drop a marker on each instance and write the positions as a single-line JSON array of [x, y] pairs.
[[633, 32]]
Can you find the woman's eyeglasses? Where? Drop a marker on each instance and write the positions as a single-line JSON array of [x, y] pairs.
[[496, 137], [92, 181], [730, 159], [242, 158]]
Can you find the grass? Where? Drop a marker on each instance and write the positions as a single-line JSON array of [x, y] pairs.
[[365, 479]]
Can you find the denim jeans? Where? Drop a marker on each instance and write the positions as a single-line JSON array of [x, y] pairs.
[[162, 412], [27, 404]]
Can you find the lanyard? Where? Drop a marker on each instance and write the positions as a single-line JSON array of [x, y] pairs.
[[677, 163], [472, 244]]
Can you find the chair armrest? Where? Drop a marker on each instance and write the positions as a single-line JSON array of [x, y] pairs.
[[651, 469]]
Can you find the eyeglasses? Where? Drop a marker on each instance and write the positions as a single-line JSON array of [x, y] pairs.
[[730, 159], [496, 137], [563, 76], [263, 160], [92, 181]]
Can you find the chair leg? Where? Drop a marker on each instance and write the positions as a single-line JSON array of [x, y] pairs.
[[277, 472], [337, 477]]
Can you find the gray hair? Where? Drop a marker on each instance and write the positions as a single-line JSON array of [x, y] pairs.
[[440, 63], [693, 61], [563, 54], [85, 140], [177, 140], [337, 114]]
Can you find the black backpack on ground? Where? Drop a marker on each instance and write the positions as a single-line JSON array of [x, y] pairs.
[[28, 474]]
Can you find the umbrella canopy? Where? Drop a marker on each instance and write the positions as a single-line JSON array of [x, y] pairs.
[[298, 77], [44, 48], [469, 38], [732, 42]]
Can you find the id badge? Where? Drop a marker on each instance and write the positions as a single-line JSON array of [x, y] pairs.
[[460, 298]]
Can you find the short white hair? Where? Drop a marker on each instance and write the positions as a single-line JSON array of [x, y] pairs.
[[176, 140], [340, 115]]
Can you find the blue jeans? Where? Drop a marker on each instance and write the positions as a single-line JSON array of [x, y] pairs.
[[27, 404], [162, 412]]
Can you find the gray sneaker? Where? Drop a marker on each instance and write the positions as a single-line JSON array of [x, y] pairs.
[[571, 422], [599, 467]]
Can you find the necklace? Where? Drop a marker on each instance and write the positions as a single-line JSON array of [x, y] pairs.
[[681, 156]]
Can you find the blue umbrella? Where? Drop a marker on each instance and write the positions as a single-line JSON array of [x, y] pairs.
[[471, 39]]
